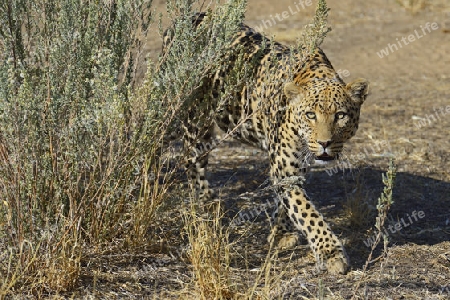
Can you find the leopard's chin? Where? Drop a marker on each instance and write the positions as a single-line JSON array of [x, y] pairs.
[[324, 159]]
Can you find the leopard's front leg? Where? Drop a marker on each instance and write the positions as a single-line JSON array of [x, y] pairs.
[[328, 250]]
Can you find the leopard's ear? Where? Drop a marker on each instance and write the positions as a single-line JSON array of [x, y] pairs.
[[291, 90], [358, 89]]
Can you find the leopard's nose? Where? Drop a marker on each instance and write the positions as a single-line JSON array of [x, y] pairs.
[[324, 144]]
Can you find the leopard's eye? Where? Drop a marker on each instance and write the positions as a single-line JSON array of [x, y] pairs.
[[340, 115], [310, 115]]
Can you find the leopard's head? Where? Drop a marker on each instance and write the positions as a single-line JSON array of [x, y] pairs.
[[325, 112]]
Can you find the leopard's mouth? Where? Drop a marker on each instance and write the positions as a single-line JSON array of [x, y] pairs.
[[325, 157]]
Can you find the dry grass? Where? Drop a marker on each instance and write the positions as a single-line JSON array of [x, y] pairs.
[[209, 254], [414, 6]]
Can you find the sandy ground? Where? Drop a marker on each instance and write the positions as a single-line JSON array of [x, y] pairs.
[[407, 116]]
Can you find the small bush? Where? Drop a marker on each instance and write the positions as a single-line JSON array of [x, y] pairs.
[[81, 159], [72, 160]]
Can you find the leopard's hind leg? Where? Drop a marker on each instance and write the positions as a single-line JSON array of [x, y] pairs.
[[198, 149]]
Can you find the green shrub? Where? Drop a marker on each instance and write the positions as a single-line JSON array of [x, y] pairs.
[[81, 162]]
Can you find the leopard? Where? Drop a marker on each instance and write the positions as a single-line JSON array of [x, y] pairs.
[[299, 110]]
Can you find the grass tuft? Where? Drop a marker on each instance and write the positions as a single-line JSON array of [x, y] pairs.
[[385, 202]]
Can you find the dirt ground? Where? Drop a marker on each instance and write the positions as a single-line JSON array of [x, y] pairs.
[[406, 116]]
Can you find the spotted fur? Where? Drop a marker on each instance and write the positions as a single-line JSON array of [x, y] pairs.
[[301, 112]]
